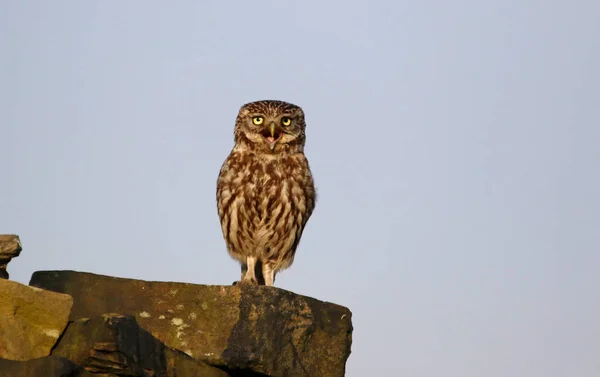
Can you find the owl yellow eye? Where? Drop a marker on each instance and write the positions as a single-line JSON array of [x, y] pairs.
[[286, 121], [257, 120]]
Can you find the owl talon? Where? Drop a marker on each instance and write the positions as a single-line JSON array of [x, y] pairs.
[[246, 282]]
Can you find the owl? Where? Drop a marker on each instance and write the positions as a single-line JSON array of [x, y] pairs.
[[265, 189]]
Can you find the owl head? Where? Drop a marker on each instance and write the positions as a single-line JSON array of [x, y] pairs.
[[270, 127]]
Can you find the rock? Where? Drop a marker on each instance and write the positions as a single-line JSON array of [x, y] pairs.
[[49, 366], [255, 329], [115, 344], [31, 320], [10, 247]]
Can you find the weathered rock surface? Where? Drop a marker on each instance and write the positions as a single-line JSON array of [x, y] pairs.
[[10, 247], [115, 344], [243, 330], [49, 366], [31, 320]]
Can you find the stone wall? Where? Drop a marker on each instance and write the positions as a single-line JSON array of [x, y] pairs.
[[68, 323]]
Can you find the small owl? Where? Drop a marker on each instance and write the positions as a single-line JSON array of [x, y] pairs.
[[265, 190]]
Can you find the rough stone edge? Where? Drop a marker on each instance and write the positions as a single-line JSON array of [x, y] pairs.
[[10, 247]]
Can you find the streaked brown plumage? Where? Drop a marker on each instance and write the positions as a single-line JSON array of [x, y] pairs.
[[265, 190]]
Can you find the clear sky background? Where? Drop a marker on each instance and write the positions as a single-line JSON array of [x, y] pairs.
[[455, 146]]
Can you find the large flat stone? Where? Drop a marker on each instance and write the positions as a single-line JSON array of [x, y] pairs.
[[31, 320], [260, 329]]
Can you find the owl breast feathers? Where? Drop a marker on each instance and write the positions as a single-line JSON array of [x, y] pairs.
[[265, 190]]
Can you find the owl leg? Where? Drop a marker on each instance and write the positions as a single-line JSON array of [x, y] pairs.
[[268, 273], [250, 276], [244, 270]]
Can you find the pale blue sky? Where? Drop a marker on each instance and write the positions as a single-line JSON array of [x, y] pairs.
[[455, 146]]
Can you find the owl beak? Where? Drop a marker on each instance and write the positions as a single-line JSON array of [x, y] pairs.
[[271, 135]]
